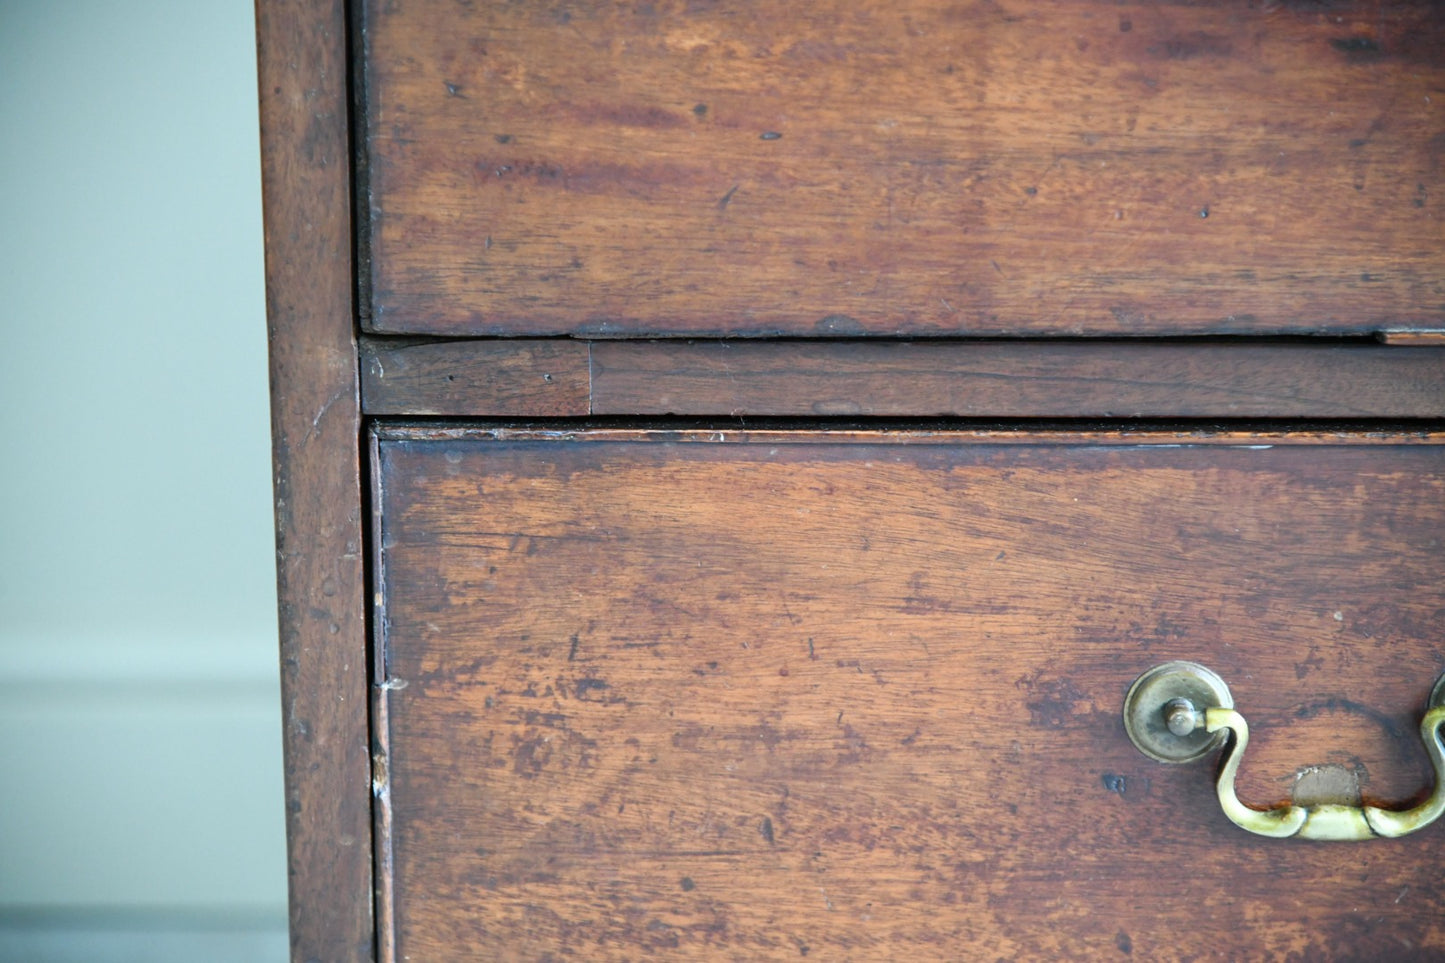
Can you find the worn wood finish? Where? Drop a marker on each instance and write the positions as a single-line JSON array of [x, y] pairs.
[[851, 168], [1413, 338], [920, 379], [315, 425], [1007, 380], [857, 695], [476, 378]]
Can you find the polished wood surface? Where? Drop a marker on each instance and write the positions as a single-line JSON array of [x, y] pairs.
[[315, 424], [857, 695], [910, 167]]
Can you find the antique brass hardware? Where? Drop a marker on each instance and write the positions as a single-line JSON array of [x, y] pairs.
[[1180, 711]]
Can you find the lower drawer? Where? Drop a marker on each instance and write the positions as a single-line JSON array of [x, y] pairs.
[[858, 695]]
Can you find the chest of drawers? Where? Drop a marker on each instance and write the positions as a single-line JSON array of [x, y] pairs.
[[733, 460]]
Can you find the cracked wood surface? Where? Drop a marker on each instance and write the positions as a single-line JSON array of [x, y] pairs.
[[857, 694]]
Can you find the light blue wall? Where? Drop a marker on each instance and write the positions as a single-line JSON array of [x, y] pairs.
[[140, 759]]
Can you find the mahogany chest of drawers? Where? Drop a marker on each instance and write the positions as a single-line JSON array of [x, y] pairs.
[[735, 459]]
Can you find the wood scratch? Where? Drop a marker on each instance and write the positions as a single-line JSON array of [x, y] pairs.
[[326, 406]]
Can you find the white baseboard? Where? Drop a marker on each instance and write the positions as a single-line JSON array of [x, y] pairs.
[[108, 936], [159, 786]]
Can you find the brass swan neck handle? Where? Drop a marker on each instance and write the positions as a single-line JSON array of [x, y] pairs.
[[1326, 821], [1180, 711]]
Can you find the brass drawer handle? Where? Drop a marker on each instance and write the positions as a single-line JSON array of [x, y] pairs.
[[1180, 711]]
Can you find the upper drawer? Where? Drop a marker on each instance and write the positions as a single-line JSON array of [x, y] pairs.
[[915, 167]]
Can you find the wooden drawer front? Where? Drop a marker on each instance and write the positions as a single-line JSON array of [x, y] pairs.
[[904, 167], [768, 695]]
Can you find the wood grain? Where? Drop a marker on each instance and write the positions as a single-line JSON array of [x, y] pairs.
[[315, 427], [857, 695], [477, 378], [740, 167], [1027, 379]]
